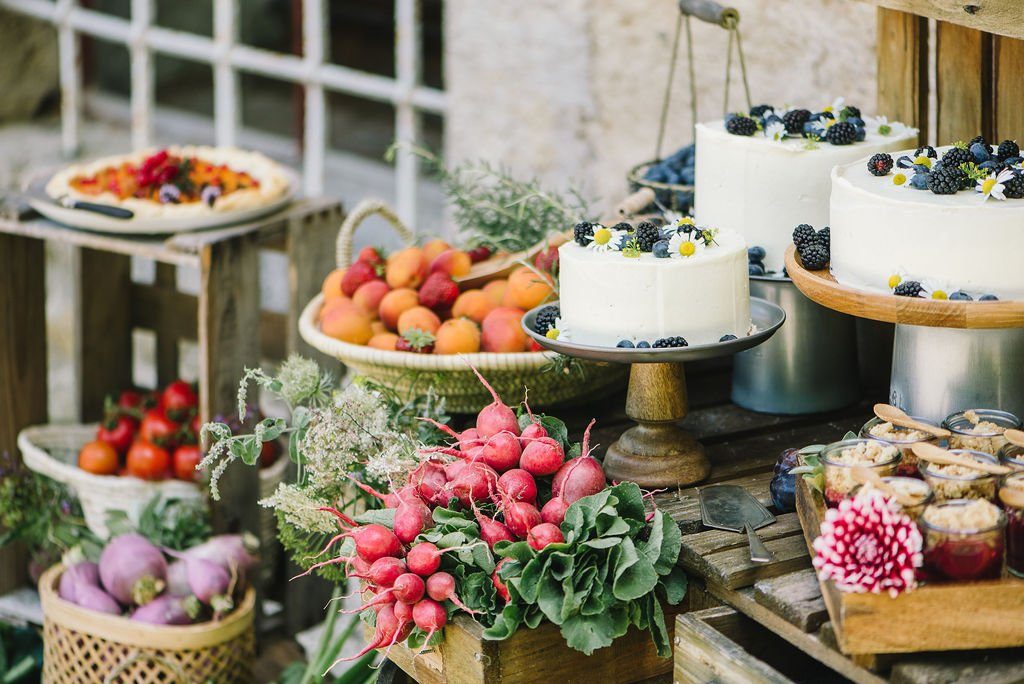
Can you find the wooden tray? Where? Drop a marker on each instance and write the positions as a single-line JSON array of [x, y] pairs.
[[822, 288], [933, 617]]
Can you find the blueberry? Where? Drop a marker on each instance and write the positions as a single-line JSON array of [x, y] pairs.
[[980, 152], [643, 344], [861, 134], [921, 168], [625, 344], [774, 118], [755, 269], [988, 298], [810, 129], [727, 337], [755, 253], [660, 249], [856, 121], [1012, 161], [658, 174], [687, 175], [992, 165], [919, 181], [904, 162], [960, 296]]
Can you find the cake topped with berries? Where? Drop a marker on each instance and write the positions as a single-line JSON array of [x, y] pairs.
[[944, 223], [650, 285], [764, 172]]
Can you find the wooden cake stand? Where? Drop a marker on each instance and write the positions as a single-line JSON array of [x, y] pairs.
[[947, 356], [656, 452]]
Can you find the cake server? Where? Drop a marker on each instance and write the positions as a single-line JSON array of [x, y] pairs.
[[105, 209], [730, 507]]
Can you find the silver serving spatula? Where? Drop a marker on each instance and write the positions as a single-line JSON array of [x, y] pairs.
[[730, 507]]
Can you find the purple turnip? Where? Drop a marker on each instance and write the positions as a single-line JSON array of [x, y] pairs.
[[75, 576], [208, 581], [177, 579], [132, 569], [234, 552], [92, 597], [168, 610]]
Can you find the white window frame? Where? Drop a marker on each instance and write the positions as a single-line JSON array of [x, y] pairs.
[[228, 57]]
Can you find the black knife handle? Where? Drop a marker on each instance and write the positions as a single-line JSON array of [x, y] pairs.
[[105, 209]]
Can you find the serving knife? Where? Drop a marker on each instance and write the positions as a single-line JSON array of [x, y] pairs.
[[69, 202]]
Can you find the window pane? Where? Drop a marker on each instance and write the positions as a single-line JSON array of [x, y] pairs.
[[271, 105], [268, 24], [184, 85], [362, 35], [193, 16], [363, 127], [431, 18]]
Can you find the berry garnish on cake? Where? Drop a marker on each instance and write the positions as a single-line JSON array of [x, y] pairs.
[[668, 342], [546, 318], [646, 235], [880, 164], [812, 246], [836, 124], [741, 125]]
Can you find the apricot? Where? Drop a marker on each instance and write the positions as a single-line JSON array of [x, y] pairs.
[[332, 284], [419, 317], [451, 261], [434, 247], [384, 340], [347, 322], [473, 304], [368, 295], [457, 336], [526, 289], [406, 268], [496, 290], [502, 332], [396, 302], [378, 327], [340, 299]]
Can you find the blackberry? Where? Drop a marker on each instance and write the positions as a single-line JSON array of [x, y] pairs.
[[1014, 188], [741, 125], [849, 111], [956, 156], [646, 235], [795, 119], [623, 226], [814, 257], [667, 342], [880, 164], [804, 235], [757, 111], [946, 181], [582, 231], [546, 319], [1007, 149], [927, 151], [908, 288], [727, 337], [824, 238], [841, 133], [980, 140]]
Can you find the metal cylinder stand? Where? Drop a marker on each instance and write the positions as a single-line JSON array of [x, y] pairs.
[[937, 371]]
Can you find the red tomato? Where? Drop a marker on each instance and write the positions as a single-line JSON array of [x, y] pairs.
[[186, 458], [118, 432], [130, 399], [147, 461], [98, 458], [157, 428], [195, 426], [179, 400]]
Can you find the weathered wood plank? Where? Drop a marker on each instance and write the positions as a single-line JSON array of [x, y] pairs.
[[795, 597], [1008, 110], [309, 244], [706, 649], [963, 83], [734, 569], [714, 541], [983, 667], [104, 329], [683, 505], [166, 330], [902, 55], [1003, 17]]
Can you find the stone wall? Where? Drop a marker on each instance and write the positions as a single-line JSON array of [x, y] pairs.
[[28, 69], [570, 89]]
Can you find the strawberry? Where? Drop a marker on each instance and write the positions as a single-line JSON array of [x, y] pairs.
[[438, 292], [534, 346], [546, 260], [415, 341], [370, 255], [479, 254], [358, 273]]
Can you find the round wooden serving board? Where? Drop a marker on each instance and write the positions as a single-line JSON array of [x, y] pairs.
[[822, 288]]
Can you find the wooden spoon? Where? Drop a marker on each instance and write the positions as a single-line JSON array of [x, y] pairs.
[[1015, 437], [935, 454], [1012, 497], [865, 475], [891, 414]]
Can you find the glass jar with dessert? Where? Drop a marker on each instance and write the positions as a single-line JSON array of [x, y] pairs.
[[963, 540], [1011, 495], [900, 437], [1012, 456], [956, 481], [980, 429], [912, 495], [839, 458]]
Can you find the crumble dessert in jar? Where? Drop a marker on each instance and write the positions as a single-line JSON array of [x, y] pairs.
[[839, 458], [910, 487], [980, 429], [963, 540], [961, 482], [900, 437], [1011, 494], [1012, 456]]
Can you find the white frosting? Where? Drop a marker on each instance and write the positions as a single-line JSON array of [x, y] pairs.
[[606, 297], [763, 189], [949, 242]]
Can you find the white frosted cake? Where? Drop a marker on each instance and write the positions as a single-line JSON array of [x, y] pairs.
[[765, 183], [892, 231], [679, 282]]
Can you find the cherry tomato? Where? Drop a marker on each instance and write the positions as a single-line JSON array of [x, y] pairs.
[[195, 426], [130, 399], [157, 428], [98, 458], [118, 432], [186, 458], [179, 400], [147, 461]]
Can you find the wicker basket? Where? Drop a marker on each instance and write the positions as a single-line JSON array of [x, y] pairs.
[[450, 375], [81, 646]]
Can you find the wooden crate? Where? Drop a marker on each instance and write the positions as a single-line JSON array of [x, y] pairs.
[[933, 617]]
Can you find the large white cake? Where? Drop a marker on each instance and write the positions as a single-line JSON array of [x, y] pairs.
[[611, 295], [763, 188], [884, 233]]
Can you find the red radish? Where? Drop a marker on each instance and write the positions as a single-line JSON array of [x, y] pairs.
[[384, 571], [94, 598], [373, 541], [430, 481], [495, 417], [501, 451], [359, 566], [579, 477], [474, 453], [497, 582], [132, 569], [469, 439], [520, 517], [518, 485], [410, 519], [554, 511], [534, 429], [441, 588], [390, 500], [403, 611], [425, 558], [543, 534], [384, 597], [492, 531], [386, 632], [476, 482], [542, 456], [452, 470], [409, 588], [430, 616]]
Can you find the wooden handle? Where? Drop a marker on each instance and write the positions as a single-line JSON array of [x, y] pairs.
[[865, 475], [897, 416], [1012, 497], [636, 202], [364, 210], [711, 12], [935, 454], [1014, 437]]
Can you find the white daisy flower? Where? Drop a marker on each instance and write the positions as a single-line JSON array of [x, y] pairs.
[[605, 239], [558, 332], [775, 131], [880, 125], [683, 221], [994, 185], [934, 288], [683, 245], [820, 126], [836, 106]]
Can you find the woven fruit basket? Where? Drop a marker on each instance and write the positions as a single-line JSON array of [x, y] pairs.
[[451, 376], [82, 645]]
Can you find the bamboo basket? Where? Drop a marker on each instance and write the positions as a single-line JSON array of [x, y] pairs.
[[450, 376], [82, 645]]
